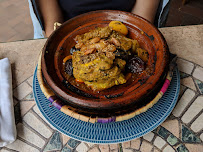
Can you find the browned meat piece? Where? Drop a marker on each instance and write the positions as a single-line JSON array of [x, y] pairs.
[[109, 48], [98, 32], [98, 70], [79, 45], [95, 40], [125, 43], [115, 42], [89, 51]]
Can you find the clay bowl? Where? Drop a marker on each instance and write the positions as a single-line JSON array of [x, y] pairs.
[[136, 93]]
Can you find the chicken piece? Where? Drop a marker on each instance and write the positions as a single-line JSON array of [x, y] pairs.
[[101, 85], [115, 42], [95, 40], [110, 55], [98, 46], [102, 32], [125, 43], [120, 63], [79, 45], [98, 70], [109, 48], [89, 51], [135, 45]]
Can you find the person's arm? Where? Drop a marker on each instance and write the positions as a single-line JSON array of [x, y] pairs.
[[146, 9], [51, 13]]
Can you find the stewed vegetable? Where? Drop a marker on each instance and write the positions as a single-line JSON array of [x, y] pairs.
[[105, 57]]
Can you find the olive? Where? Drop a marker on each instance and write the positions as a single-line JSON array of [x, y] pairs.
[[73, 49], [135, 65], [69, 67]]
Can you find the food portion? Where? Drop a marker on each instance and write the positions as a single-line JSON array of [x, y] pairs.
[[119, 27], [105, 57]]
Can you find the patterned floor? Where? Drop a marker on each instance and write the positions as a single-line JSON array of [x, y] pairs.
[[15, 21], [181, 132]]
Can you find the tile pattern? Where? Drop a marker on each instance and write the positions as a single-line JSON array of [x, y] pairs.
[[181, 132]]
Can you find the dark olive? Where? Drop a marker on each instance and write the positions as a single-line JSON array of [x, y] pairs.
[[135, 65], [69, 67]]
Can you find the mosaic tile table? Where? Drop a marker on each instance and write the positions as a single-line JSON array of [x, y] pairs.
[[181, 132]]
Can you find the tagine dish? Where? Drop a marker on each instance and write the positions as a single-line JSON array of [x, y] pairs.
[[103, 68]]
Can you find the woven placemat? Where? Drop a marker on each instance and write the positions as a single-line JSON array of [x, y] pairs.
[[60, 105]]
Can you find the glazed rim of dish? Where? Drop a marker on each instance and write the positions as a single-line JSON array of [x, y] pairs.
[[148, 37]]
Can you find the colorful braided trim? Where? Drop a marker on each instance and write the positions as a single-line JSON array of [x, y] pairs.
[[56, 102]]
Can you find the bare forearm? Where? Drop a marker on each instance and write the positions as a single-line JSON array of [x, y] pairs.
[[146, 9], [51, 13]]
